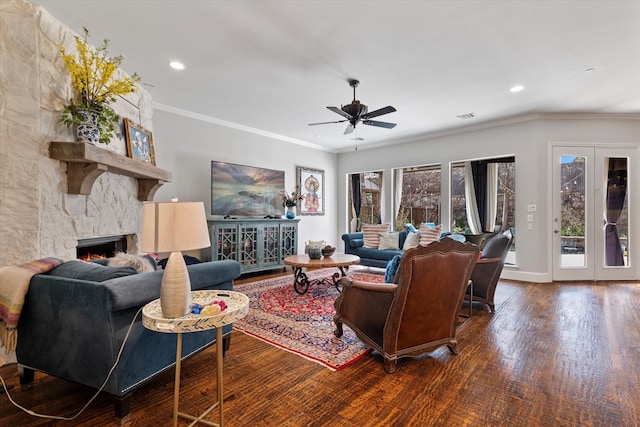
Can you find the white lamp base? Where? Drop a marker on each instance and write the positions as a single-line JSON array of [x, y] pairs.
[[175, 291]]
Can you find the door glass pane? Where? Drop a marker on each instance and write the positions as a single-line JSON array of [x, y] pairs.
[[616, 230], [572, 211]]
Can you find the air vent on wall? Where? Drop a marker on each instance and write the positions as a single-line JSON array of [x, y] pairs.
[[466, 116]]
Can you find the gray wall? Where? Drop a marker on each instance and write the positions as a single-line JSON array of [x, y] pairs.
[[186, 146], [529, 139]]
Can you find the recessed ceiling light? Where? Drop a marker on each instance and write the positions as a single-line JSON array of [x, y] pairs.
[[516, 88], [176, 65]]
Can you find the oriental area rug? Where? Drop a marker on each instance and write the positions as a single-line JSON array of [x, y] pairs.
[[302, 324]]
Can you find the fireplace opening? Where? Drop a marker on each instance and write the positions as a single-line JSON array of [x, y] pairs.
[[100, 247]]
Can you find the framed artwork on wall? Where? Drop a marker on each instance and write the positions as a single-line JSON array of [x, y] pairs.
[[139, 142], [311, 184]]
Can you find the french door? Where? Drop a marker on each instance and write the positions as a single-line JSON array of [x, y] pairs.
[[593, 213]]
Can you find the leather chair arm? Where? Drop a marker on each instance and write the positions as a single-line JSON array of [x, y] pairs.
[[488, 260], [369, 286]]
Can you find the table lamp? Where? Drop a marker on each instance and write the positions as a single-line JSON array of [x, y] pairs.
[[174, 227]]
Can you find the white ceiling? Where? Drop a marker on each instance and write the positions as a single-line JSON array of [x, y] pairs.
[[272, 67]]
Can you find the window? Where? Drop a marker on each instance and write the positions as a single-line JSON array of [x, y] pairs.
[[458, 201], [365, 199], [483, 197], [417, 195]]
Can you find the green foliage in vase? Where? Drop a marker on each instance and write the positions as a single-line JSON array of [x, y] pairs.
[[93, 75]]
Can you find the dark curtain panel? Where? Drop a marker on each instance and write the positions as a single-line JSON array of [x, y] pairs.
[[616, 192], [479, 172], [356, 196]]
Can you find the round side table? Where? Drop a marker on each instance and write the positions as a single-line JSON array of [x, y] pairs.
[[237, 308]]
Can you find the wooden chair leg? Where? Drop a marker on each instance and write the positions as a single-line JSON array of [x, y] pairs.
[[26, 377], [122, 408], [226, 344], [390, 365], [338, 332]]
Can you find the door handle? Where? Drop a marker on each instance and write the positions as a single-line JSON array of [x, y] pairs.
[[556, 231]]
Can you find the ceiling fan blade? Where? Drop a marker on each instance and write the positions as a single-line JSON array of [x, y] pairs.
[[386, 110], [326, 123], [379, 124], [339, 111], [349, 129]]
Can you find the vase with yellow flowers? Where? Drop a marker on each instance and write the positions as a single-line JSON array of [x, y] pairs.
[[93, 76]]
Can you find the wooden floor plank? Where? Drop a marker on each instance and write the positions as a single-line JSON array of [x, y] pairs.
[[553, 354]]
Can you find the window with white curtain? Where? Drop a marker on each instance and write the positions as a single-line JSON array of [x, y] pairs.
[[365, 199], [483, 197], [417, 195]]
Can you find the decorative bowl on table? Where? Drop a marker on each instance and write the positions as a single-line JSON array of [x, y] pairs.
[[327, 251], [315, 253]]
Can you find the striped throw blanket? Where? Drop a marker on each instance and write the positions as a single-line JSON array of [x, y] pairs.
[[14, 284]]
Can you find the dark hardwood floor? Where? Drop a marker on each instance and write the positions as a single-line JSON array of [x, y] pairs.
[[560, 354]]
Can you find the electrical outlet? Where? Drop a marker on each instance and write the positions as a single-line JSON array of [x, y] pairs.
[[530, 218], [529, 226], [531, 208]]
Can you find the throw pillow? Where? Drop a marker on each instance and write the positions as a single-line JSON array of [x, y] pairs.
[[371, 234], [412, 241], [392, 268], [188, 260], [142, 263], [410, 228], [389, 241], [429, 234]]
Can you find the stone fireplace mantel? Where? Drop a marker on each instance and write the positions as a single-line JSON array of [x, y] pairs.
[[87, 162]]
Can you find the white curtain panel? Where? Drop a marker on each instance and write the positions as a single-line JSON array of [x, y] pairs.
[[397, 190], [473, 217]]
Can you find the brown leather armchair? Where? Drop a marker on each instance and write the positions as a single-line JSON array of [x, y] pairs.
[[487, 270], [420, 312]]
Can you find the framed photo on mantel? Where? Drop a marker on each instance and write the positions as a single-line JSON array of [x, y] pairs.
[[139, 142], [311, 184]]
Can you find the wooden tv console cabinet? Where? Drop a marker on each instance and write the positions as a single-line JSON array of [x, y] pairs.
[[257, 244]]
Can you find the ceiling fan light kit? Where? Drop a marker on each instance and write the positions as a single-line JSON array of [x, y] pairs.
[[356, 112]]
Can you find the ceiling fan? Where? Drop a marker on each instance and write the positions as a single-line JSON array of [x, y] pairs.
[[357, 112]]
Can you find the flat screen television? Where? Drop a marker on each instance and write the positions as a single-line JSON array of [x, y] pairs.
[[248, 191]]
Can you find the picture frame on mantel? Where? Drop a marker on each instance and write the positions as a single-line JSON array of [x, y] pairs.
[[139, 142], [311, 184]]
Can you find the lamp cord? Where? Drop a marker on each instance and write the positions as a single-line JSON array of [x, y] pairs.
[[56, 417]]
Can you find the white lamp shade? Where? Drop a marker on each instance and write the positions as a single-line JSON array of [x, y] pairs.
[[174, 226]]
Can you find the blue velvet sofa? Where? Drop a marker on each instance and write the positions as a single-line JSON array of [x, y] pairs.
[[73, 323], [373, 257]]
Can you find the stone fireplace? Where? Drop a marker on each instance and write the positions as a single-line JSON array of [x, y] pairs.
[[38, 218], [100, 247]]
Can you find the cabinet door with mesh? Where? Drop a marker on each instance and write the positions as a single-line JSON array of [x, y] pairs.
[[271, 245], [226, 242], [248, 251], [288, 239]]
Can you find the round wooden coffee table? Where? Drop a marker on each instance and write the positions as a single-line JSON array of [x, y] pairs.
[[301, 281]]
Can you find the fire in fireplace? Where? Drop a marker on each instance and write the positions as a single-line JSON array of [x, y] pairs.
[[100, 247]]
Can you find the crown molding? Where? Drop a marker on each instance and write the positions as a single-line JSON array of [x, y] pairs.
[[232, 125]]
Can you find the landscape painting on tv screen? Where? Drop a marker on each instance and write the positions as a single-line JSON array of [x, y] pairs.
[[238, 190]]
